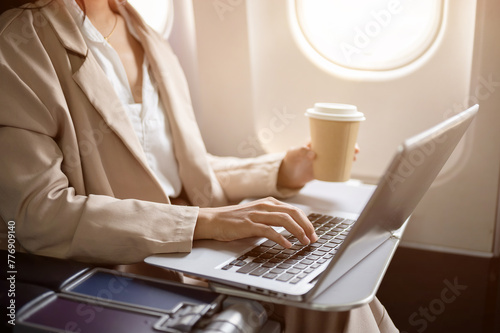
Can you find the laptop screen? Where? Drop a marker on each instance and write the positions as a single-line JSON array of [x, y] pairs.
[[416, 164]]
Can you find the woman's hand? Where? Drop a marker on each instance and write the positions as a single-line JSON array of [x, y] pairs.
[[296, 169], [254, 219], [356, 150]]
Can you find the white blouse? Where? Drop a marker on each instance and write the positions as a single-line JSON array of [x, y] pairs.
[[149, 118]]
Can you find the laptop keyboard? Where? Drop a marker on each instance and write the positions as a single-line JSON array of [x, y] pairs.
[[272, 261]]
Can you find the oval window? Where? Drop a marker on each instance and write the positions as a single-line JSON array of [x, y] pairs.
[[374, 35], [157, 13]]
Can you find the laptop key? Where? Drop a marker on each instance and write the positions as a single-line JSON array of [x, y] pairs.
[[340, 219], [259, 260], [270, 275], [237, 262], [248, 267], [268, 243], [269, 264], [314, 216], [285, 277], [260, 249], [297, 257], [252, 253], [291, 261], [275, 260], [325, 219], [293, 271], [266, 256], [282, 256], [307, 249], [277, 270], [259, 271]]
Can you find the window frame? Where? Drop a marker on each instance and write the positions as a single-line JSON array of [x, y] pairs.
[[336, 68]]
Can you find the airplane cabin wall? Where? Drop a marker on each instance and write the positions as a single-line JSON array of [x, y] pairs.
[[254, 80]]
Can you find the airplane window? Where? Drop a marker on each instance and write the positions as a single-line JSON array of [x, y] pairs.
[[157, 13], [374, 35]]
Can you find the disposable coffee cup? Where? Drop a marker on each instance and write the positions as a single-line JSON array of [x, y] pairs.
[[334, 131]]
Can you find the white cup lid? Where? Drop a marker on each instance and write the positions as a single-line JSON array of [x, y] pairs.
[[335, 112]]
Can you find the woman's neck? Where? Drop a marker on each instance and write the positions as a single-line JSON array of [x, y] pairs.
[[100, 12]]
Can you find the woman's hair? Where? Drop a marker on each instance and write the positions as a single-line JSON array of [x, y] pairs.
[[82, 3], [9, 4]]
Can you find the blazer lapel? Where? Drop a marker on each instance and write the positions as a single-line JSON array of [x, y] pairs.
[[90, 77], [102, 96]]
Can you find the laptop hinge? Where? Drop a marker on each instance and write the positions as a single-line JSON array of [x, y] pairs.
[[394, 235]]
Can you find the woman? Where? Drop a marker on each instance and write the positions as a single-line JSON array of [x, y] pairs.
[[93, 193], [102, 158]]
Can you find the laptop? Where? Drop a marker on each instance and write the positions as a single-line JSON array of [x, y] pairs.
[[302, 273]]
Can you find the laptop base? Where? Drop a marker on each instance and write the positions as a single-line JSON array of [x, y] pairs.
[[354, 289]]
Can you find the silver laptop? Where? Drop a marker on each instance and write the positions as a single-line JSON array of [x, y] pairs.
[[345, 239]]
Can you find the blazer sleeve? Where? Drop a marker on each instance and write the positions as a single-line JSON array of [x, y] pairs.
[[254, 177], [50, 217]]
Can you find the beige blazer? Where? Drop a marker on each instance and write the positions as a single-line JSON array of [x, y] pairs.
[[73, 176]]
